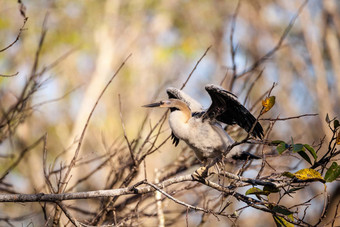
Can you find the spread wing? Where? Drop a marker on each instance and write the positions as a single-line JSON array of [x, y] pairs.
[[174, 93], [227, 109]]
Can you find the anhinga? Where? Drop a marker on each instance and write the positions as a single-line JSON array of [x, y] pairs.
[[201, 129]]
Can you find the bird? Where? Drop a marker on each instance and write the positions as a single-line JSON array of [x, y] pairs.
[[201, 129]]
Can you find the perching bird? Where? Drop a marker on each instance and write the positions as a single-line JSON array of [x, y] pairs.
[[201, 129]]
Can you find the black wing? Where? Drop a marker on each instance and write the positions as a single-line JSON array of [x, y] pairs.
[[226, 108], [174, 93]]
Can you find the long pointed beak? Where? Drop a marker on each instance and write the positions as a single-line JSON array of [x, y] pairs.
[[157, 104]]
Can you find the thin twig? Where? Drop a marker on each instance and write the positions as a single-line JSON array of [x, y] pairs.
[[73, 161], [232, 48], [287, 118], [251, 87], [193, 70], [47, 180], [276, 47], [9, 75], [21, 156], [335, 213], [176, 200], [68, 215], [18, 36], [124, 131]]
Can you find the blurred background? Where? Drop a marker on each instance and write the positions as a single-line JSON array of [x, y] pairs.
[[166, 39]]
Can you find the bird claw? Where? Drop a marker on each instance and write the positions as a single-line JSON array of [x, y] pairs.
[[200, 173]]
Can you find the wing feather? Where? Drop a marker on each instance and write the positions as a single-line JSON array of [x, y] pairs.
[[227, 109]]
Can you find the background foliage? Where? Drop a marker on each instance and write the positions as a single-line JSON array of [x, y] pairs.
[[85, 43]]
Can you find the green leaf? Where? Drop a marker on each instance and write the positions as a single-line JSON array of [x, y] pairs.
[[336, 124], [282, 210], [294, 189], [297, 147], [256, 191], [281, 222], [277, 142], [282, 147], [288, 174], [311, 150], [305, 156], [333, 172]]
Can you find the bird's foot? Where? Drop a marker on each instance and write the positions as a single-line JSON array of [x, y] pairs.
[[200, 173]]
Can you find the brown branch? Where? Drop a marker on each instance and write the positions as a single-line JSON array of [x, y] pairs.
[[57, 61], [17, 113], [232, 49], [22, 9], [124, 131], [37, 53], [99, 167], [245, 140], [253, 181], [287, 118], [257, 204], [251, 87], [176, 200], [276, 47], [137, 189], [47, 180], [41, 197], [18, 36], [73, 161], [68, 215], [9, 75], [335, 213], [193, 70], [21, 156]]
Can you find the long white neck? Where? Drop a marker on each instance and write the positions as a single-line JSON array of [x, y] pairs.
[[183, 108]]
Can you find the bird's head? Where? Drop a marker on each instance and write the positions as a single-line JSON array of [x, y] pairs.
[[174, 105], [165, 104]]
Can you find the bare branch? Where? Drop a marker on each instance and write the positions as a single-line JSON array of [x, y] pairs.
[[288, 118], [73, 161], [193, 70], [232, 48], [41, 197], [18, 36], [67, 213], [10, 75], [276, 47], [20, 157], [178, 201], [125, 136]]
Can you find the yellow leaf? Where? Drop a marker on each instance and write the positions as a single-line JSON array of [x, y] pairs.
[[268, 103], [309, 174], [282, 222], [338, 139]]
